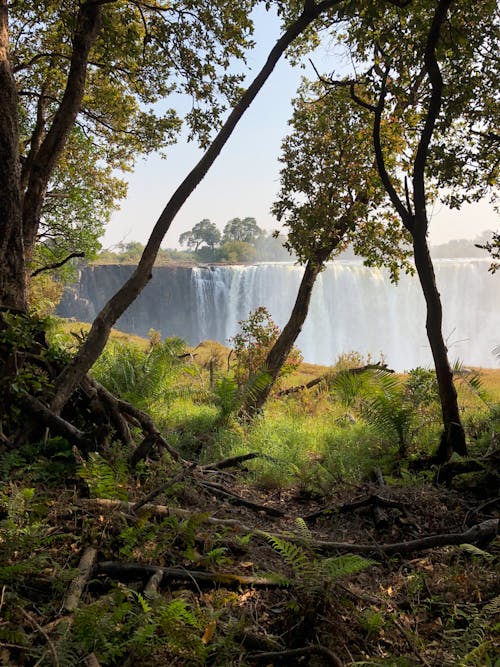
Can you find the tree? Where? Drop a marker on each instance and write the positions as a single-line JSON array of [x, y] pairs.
[[330, 196], [203, 232], [155, 38], [78, 83], [245, 230], [235, 251], [430, 72]]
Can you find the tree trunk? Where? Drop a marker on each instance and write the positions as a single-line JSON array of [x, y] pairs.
[[12, 267], [453, 436], [416, 222], [256, 397], [43, 162], [116, 306]]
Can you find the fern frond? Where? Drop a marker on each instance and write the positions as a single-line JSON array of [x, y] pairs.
[[293, 555], [178, 611], [492, 608], [344, 566], [303, 530], [103, 480]]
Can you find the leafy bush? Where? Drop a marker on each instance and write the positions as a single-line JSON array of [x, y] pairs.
[[252, 343]]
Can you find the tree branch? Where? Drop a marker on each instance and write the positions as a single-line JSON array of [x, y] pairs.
[[88, 24], [403, 213], [57, 265]]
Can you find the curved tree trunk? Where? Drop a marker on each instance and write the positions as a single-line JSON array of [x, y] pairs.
[[416, 222], [100, 330], [453, 436], [255, 398]]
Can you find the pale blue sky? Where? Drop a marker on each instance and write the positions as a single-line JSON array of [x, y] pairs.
[[245, 177]]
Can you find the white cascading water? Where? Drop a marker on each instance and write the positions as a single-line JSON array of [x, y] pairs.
[[357, 308]]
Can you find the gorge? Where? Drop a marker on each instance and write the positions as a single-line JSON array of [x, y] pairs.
[[353, 307]]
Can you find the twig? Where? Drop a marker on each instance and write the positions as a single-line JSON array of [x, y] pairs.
[[297, 652], [480, 508], [238, 500], [36, 625], [373, 499], [156, 492], [231, 461], [411, 644]]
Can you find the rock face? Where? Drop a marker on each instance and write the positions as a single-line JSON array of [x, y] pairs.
[[352, 308], [166, 304]]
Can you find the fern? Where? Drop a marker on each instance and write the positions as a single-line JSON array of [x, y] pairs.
[[227, 394], [303, 530], [473, 643], [103, 480], [293, 555], [310, 575], [144, 377], [344, 566]]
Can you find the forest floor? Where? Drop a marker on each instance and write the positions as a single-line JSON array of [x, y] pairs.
[[292, 601], [223, 565]]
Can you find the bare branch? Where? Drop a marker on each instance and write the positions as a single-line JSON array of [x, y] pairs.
[[57, 265]]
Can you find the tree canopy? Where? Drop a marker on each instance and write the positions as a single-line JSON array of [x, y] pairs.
[[245, 230], [331, 194], [203, 232], [89, 85]]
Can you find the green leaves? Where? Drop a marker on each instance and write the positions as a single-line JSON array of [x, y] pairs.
[[387, 46], [331, 194], [140, 55]]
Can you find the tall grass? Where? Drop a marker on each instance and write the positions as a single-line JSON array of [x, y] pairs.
[[314, 439]]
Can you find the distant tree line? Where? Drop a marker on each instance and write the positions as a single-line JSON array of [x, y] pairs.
[[206, 243], [241, 240]]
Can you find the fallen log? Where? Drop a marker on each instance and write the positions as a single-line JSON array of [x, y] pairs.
[[481, 531], [330, 376], [134, 571]]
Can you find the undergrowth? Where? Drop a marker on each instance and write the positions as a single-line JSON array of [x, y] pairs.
[[315, 445]]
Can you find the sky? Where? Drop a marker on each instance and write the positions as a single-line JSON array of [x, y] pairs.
[[245, 177]]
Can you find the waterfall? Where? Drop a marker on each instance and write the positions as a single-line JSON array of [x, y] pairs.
[[352, 307]]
